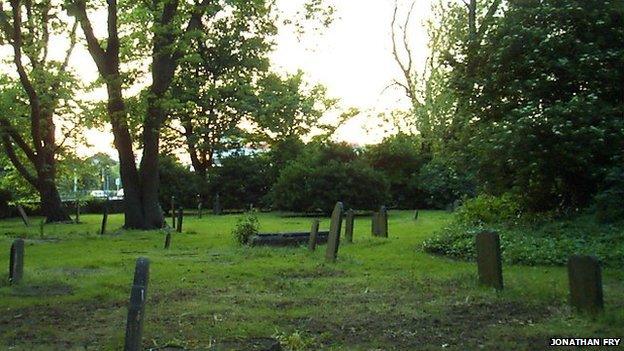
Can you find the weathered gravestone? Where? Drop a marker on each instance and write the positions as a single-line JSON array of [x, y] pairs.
[[375, 224], [489, 260], [16, 262], [168, 239], [382, 222], [416, 215], [333, 241], [104, 219], [585, 283], [173, 212], [180, 218], [349, 222], [216, 205], [136, 308], [22, 213], [313, 235], [199, 206]]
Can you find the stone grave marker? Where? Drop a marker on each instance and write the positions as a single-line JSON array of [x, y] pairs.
[[23, 214], [180, 218], [382, 222], [313, 235], [136, 308], [374, 224], [216, 205], [173, 214], [585, 283], [349, 222], [333, 241], [199, 206], [416, 215], [489, 260], [168, 239], [16, 262], [104, 219]]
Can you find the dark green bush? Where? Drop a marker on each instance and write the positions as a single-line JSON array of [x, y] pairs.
[[442, 183], [242, 180], [325, 174], [548, 243], [610, 201]]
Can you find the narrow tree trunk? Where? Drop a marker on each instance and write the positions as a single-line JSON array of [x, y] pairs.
[[51, 203]]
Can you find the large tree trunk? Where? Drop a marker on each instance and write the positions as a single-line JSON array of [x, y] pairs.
[[51, 204]]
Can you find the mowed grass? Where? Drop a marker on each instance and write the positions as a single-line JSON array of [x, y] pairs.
[[207, 293]]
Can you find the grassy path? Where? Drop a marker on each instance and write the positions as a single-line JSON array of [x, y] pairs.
[[207, 293]]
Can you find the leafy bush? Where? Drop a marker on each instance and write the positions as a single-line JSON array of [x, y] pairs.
[[610, 201], [442, 183], [242, 180], [548, 243], [246, 226], [325, 174], [488, 209], [400, 158]]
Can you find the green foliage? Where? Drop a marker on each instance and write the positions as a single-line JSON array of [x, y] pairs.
[[400, 158], [327, 173], [442, 183], [610, 200], [242, 180], [547, 119], [546, 242], [294, 341], [246, 227], [488, 209], [176, 180]]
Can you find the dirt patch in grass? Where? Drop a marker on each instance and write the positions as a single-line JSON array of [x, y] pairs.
[[316, 272], [43, 289], [462, 326], [249, 344]]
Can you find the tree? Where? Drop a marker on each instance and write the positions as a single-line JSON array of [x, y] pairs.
[[215, 87], [45, 89], [289, 108], [164, 28], [548, 116]]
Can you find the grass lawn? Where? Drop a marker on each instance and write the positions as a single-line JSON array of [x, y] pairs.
[[208, 293]]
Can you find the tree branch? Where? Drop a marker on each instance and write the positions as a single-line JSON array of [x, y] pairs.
[[8, 148]]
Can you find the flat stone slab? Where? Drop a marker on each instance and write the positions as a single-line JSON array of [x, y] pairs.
[[286, 239]]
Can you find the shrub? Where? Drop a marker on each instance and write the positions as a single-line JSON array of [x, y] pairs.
[[246, 226], [549, 243], [442, 183], [326, 174], [610, 201], [242, 180], [488, 209]]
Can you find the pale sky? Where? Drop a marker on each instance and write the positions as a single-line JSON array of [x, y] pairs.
[[352, 58]]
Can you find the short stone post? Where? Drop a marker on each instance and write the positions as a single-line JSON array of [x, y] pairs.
[[104, 219], [173, 214], [168, 239], [136, 308], [16, 262], [23, 214], [349, 222], [180, 218], [489, 260], [313, 235], [375, 224], [216, 205], [585, 283], [199, 206], [333, 240], [382, 222], [416, 215]]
